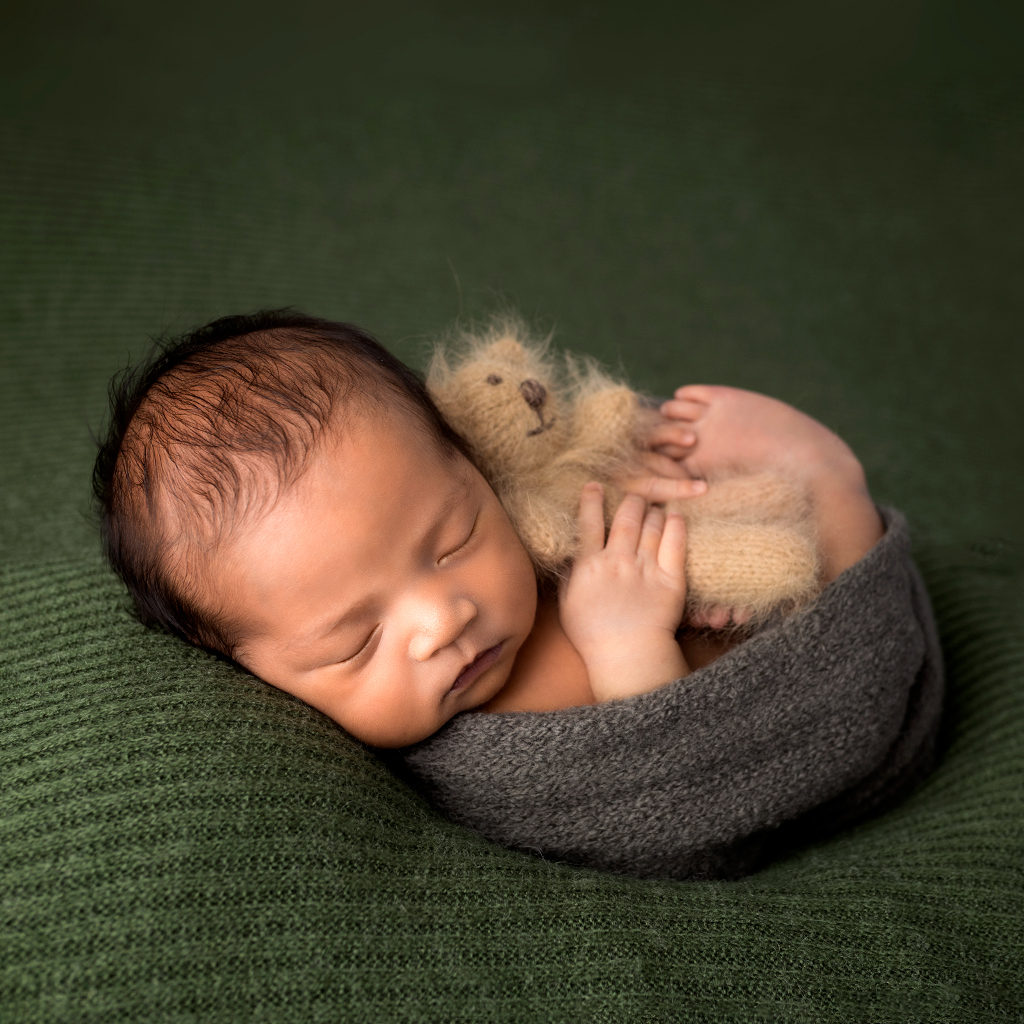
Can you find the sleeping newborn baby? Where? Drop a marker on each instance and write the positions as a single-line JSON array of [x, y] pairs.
[[281, 490]]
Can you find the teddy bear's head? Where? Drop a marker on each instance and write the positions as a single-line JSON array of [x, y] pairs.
[[504, 397]]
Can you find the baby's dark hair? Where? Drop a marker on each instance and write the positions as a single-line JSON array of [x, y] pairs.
[[211, 425]]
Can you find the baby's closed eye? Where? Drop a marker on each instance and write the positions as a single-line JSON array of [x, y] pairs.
[[464, 543], [364, 647]]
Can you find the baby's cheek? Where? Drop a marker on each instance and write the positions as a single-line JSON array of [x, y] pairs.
[[396, 705], [521, 586], [389, 724]]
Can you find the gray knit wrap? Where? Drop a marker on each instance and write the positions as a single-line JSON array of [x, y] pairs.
[[803, 729]]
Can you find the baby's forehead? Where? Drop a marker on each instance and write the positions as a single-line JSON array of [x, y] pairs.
[[397, 439], [365, 434], [335, 514], [433, 466]]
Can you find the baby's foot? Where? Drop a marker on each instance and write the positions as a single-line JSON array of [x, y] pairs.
[[743, 431]]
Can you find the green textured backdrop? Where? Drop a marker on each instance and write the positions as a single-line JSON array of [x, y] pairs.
[[821, 202]]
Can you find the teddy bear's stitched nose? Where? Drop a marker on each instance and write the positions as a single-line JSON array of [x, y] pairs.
[[534, 392]]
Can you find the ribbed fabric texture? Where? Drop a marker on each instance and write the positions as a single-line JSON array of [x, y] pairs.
[[180, 843]]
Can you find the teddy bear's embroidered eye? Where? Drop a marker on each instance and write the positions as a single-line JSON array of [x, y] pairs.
[[493, 379]]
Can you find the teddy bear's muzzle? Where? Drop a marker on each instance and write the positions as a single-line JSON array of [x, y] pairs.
[[535, 395], [534, 392]]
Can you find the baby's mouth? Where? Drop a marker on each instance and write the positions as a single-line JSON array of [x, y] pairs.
[[476, 668]]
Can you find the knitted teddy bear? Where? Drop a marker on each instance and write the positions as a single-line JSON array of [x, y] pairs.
[[540, 428]]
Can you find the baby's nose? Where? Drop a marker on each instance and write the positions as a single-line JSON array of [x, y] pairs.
[[439, 626], [534, 392]]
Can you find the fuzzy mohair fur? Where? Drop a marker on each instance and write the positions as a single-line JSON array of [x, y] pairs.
[[540, 427]]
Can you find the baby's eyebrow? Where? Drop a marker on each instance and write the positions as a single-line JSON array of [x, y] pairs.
[[450, 504], [323, 630]]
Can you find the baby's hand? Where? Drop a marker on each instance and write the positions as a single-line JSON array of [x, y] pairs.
[[624, 599]]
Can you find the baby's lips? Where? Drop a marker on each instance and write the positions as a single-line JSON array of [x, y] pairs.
[[476, 668]]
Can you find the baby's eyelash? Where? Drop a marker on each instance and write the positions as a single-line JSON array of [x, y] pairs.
[[469, 537], [366, 643]]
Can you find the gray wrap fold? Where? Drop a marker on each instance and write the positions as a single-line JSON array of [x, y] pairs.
[[802, 730]]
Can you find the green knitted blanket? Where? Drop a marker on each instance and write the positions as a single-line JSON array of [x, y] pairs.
[[828, 211]]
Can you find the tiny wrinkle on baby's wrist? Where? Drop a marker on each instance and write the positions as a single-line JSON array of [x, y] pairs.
[[643, 666]]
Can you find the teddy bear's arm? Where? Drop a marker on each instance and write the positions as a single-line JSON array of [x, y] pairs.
[[605, 429], [546, 526]]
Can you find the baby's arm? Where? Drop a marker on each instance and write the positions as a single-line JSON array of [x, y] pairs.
[[624, 599]]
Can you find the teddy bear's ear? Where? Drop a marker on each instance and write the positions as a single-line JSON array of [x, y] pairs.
[[506, 350]]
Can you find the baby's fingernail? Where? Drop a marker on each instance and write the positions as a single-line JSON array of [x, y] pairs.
[[688, 438], [698, 486]]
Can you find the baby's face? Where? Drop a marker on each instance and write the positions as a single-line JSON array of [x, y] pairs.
[[386, 587]]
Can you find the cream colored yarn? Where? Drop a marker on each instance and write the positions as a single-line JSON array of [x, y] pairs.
[[540, 428]]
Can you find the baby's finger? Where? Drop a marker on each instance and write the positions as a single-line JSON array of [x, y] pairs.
[[650, 533], [661, 489], [703, 393], [624, 534], [591, 519], [672, 551], [673, 451], [741, 616]]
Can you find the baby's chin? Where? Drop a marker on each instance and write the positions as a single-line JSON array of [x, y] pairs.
[[392, 737], [388, 736], [488, 687]]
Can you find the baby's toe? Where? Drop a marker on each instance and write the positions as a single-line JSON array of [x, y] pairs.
[[718, 617], [671, 435], [684, 409], [703, 394]]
